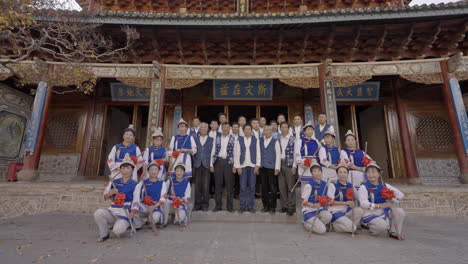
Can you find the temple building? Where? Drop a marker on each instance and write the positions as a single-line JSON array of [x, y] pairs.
[[395, 74]]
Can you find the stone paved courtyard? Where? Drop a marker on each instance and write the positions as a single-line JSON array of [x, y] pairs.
[[70, 238]]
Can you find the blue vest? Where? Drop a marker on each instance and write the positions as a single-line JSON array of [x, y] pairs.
[[230, 149], [373, 192], [182, 142], [193, 133], [317, 190], [156, 153], [320, 134], [357, 155], [289, 152], [178, 187], [297, 136], [203, 155], [332, 152], [153, 189], [312, 147], [122, 150], [340, 191], [126, 188], [253, 149], [268, 154]]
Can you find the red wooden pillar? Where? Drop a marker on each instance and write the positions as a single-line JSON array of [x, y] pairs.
[[31, 161], [408, 151], [453, 119]]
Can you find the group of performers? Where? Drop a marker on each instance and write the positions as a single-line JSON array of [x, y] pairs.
[[342, 190]]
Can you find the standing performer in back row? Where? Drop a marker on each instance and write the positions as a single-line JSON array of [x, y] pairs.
[[305, 151], [181, 148], [119, 151]]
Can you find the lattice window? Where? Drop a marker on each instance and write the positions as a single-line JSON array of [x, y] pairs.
[[434, 133], [62, 130]]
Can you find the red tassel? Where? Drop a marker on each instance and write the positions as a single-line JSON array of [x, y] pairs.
[[387, 194], [323, 200], [307, 162], [134, 159], [159, 162], [366, 161], [176, 202], [350, 194], [148, 200], [119, 199], [175, 154]]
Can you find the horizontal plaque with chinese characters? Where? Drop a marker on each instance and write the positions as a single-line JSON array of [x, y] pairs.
[[368, 91], [126, 93], [242, 90]]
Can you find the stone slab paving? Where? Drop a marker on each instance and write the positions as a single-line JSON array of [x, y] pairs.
[[70, 238]]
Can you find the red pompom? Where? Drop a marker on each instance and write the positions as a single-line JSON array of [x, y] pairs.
[[176, 202], [148, 200], [323, 200], [307, 162], [119, 199], [134, 159], [366, 161], [159, 161], [175, 154], [350, 194], [387, 194]]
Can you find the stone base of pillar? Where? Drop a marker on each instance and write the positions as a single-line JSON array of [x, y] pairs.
[[28, 175], [464, 178], [414, 181]]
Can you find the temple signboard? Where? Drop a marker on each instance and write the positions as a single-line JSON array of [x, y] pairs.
[[242, 90], [125, 93], [368, 91]]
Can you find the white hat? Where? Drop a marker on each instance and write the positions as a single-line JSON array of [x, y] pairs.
[[350, 133], [131, 128], [342, 163], [181, 121], [309, 124], [330, 132], [315, 164], [373, 164], [158, 133], [128, 160]]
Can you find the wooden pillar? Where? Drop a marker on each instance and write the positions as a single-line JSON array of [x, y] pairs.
[[408, 151], [451, 91], [87, 136], [321, 77], [156, 105], [35, 135]]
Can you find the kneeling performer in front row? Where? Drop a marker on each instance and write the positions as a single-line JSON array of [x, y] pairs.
[[315, 202], [178, 194], [377, 199]]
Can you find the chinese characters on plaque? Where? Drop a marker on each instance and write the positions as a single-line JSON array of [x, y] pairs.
[[126, 93], [242, 90], [368, 91], [459, 105], [330, 106]]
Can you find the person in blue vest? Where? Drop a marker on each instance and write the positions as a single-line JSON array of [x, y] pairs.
[[314, 207], [306, 150], [120, 191], [288, 170], [356, 159], [345, 213], [222, 165], [149, 197], [322, 127], [194, 130], [270, 152], [201, 165], [119, 151], [181, 149], [379, 201], [178, 196], [329, 156], [156, 152], [296, 129], [247, 162]]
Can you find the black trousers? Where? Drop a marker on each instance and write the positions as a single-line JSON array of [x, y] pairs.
[[202, 187], [223, 174], [269, 188]]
